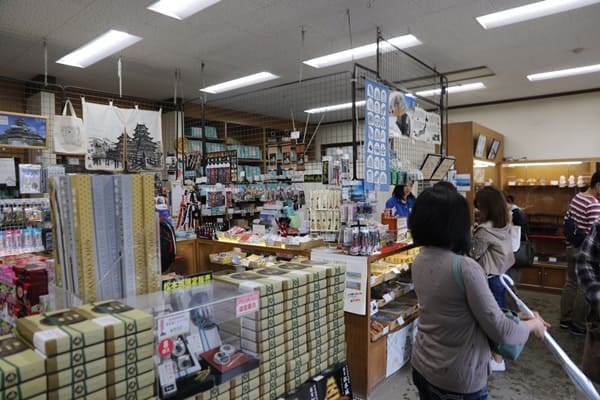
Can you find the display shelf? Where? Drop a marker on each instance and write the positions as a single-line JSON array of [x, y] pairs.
[[198, 336], [542, 236]]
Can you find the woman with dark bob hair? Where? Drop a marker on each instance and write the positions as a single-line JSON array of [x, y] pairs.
[[452, 352]]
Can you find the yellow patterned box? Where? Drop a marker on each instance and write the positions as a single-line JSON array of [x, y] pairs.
[[25, 390], [79, 389], [260, 324], [295, 333], [317, 296], [220, 392], [320, 323], [273, 379], [144, 393], [245, 388], [18, 363], [336, 316], [129, 371], [274, 364], [336, 280], [318, 333], [294, 323], [289, 279], [337, 356], [245, 377], [130, 385], [296, 312], [312, 274], [293, 381], [60, 331], [272, 391], [297, 364], [264, 334], [336, 323], [117, 318], [333, 307], [258, 347], [297, 351], [318, 341], [271, 353], [337, 289], [331, 268], [74, 358], [129, 357], [316, 314], [337, 339], [76, 374], [315, 305], [267, 312], [130, 342], [296, 342], [252, 281]]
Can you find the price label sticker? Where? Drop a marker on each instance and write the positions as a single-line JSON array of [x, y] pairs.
[[295, 135], [374, 307], [400, 321], [246, 304], [385, 330], [388, 297], [373, 279], [165, 347], [396, 270], [174, 325]]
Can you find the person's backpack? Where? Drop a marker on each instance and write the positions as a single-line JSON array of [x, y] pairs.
[[573, 234], [168, 245]]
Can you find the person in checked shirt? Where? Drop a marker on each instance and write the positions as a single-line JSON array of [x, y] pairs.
[[587, 269]]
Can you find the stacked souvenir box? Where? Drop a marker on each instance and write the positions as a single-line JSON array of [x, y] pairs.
[[129, 340], [22, 371], [8, 299], [74, 349], [263, 335], [325, 312], [332, 384]]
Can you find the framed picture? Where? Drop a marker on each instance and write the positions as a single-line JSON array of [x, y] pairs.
[[23, 130], [493, 149], [480, 146]]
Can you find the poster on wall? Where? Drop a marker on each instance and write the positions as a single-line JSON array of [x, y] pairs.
[[418, 124], [401, 109], [144, 140], [433, 128], [23, 130], [376, 136], [104, 126]]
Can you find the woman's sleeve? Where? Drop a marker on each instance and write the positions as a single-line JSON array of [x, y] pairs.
[[478, 246], [486, 311], [389, 203]]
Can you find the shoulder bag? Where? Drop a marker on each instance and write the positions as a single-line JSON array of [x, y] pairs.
[[524, 256], [507, 351]]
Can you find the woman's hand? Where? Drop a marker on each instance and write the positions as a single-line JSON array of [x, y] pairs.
[[536, 323]]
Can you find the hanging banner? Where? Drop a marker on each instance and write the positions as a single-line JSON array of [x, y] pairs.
[[376, 136], [401, 109], [144, 141], [103, 126]]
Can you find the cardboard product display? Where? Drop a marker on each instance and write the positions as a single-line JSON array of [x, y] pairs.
[[117, 318], [24, 390], [297, 351], [274, 375], [297, 322], [293, 381], [312, 274], [18, 363], [319, 341], [266, 312], [334, 381], [264, 323], [129, 357], [74, 358], [296, 342], [129, 371], [76, 374], [130, 342], [264, 334], [217, 392], [337, 356], [60, 331], [244, 388], [336, 288], [271, 391], [271, 353], [252, 395], [336, 340], [276, 364], [258, 347], [316, 314], [245, 377], [320, 323], [315, 305], [306, 391], [97, 395], [331, 268], [336, 316], [131, 385], [336, 296], [289, 279], [336, 280], [336, 323], [333, 307], [317, 295], [79, 389], [296, 333], [296, 312]]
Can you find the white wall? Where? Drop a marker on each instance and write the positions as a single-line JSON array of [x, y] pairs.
[[553, 128]]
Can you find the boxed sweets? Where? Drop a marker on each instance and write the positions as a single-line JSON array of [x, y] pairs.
[[252, 281], [75, 358], [33, 388], [129, 357], [85, 388], [117, 318], [18, 363], [130, 385], [71, 376], [60, 331]]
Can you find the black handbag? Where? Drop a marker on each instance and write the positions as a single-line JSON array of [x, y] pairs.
[[524, 256]]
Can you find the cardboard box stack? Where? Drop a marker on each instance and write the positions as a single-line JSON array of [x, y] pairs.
[[74, 349], [22, 370], [128, 347]]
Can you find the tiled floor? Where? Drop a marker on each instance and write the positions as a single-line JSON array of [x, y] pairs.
[[534, 376]]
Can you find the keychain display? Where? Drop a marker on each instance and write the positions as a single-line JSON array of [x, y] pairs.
[[222, 167]]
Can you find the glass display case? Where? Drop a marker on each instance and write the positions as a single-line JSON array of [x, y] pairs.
[[198, 336]]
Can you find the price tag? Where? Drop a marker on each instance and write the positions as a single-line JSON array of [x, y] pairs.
[[374, 307], [373, 279], [388, 297], [400, 321], [396, 270], [385, 330], [174, 325], [246, 304], [295, 135]]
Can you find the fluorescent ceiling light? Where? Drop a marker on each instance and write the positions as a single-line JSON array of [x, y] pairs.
[[483, 164], [540, 164], [530, 11], [180, 9], [367, 50], [103, 46], [334, 107], [588, 69], [240, 82], [452, 89]]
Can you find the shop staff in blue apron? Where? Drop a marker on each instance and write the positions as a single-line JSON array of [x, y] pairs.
[[402, 200]]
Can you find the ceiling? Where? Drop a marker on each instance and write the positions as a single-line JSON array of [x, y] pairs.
[[239, 37]]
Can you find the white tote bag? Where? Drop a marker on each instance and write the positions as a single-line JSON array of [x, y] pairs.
[[67, 132]]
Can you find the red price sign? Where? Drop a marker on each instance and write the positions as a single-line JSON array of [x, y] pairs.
[[246, 304], [165, 347]]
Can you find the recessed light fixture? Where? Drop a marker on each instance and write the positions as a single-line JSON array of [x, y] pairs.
[[530, 11], [240, 82], [180, 9], [540, 164], [367, 50], [588, 69], [452, 89], [334, 107], [103, 46]]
